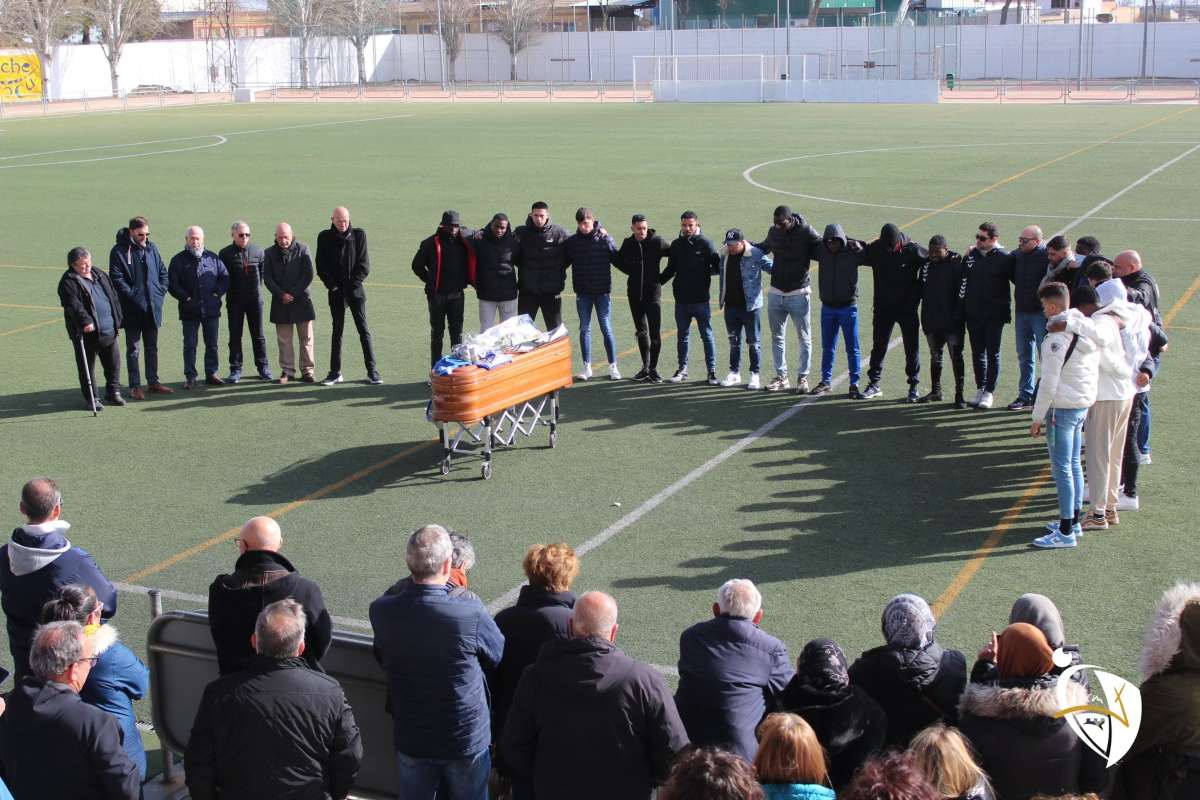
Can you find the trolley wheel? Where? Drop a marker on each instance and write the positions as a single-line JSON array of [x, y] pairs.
[[444, 466], [553, 436], [486, 470]]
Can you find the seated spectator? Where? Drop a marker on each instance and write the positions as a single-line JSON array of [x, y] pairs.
[[1023, 745], [260, 577], [790, 762], [117, 677], [276, 728], [37, 562], [461, 562], [711, 774], [434, 649], [914, 680], [1040, 612], [848, 723], [891, 776], [945, 759], [587, 721], [1164, 762], [54, 745], [729, 669]]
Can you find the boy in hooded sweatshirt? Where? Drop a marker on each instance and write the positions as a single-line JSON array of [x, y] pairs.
[[1070, 366], [838, 259]]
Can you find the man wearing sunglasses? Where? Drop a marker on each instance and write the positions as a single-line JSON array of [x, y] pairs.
[[139, 275], [987, 307], [243, 302]]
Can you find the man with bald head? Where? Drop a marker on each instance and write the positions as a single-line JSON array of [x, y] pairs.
[[584, 708], [343, 265], [260, 577], [197, 278], [1140, 288], [288, 274], [1030, 264]]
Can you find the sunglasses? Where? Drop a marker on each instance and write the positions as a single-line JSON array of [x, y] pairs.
[[979, 237], [1024, 240], [243, 235]]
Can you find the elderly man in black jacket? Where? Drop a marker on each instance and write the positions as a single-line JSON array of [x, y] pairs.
[[543, 267], [243, 302], [1030, 263], [52, 744], [497, 251], [792, 242], [588, 722], [197, 278], [895, 263], [343, 265], [1141, 288], [260, 577], [140, 277], [277, 728], [92, 314], [288, 274]]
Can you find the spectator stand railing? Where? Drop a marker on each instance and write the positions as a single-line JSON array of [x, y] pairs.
[[1179, 91]]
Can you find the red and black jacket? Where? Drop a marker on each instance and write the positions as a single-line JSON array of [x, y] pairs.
[[427, 263]]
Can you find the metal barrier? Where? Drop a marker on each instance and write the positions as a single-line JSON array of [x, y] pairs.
[[183, 661]]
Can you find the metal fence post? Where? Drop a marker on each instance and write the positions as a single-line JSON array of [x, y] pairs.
[[156, 610]]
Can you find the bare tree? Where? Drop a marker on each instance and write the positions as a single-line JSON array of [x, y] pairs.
[[519, 22], [120, 22], [304, 19], [455, 17], [43, 23], [357, 21], [219, 39]]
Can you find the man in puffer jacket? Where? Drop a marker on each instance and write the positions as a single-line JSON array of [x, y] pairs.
[[543, 270], [197, 278], [791, 242], [589, 253], [692, 262], [839, 259], [1070, 371], [497, 250], [895, 263], [640, 257]]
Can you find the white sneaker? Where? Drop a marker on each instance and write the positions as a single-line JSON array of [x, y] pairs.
[[614, 374], [1144, 459], [754, 382], [585, 373], [985, 400], [1127, 503], [978, 396], [732, 379]]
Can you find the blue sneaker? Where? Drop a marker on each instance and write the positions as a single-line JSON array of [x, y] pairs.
[[1054, 541], [234, 376], [265, 375], [1076, 529]]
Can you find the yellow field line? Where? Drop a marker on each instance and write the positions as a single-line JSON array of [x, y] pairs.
[[1181, 302], [232, 533], [35, 308], [1036, 167], [34, 326]]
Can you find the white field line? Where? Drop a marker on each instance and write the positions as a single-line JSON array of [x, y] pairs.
[[1134, 185], [630, 519]]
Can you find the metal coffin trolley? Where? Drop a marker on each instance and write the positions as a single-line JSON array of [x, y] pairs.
[[477, 410]]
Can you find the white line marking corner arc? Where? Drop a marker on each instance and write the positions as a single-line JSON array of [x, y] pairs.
[[220, 140]]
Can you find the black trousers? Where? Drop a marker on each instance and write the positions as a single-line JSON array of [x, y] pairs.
[[953, 340], [110, 359], [549, 304], [647, 323], [338, 301], [251, 313], [444, 309], [1129, 460], [883, 320], [985, 337]]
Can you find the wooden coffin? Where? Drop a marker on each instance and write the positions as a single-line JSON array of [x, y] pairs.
[[472, 393]]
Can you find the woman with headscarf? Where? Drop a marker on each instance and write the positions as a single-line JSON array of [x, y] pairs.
[[1013, 725], [1040, 612], [848, 723], [914, 680], [1164, 762]]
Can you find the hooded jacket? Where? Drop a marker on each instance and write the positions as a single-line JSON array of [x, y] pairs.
[[289, 272], [1040, 612], [276, 729], [342, 260], [590, 723], [985, 292], [54, 745], [895, 264], [1164, 762], [1067, 383], [642, 262], [793, 251], [691, 263], [1027, 274], [543, 266], [115, 681], [259, 578], [139, 275], [1106, 329], [245, 268], [590, 257], [495, 265], [1143, 290], [79, 309], [754, 262], [941, 290], [34, 565], [198, 284], [837, 276], [1022, 746], [427, 263]]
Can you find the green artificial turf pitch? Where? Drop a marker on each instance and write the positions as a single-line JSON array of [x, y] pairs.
[[831, 512]]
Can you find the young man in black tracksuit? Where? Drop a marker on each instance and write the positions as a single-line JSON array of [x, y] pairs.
[[445, 263], [542, 266], [640, 257], [987, 308], [895, 263], [692, 262], [838, 260], [942, 318]]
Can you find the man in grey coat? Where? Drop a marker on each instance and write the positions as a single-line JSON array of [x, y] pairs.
[[288, 273]]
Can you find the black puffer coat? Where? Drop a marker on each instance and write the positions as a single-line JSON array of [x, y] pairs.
[[895, 263], [848, 723], [641, 261], [915, 687], [543, 262], [495, 265], [793, 251]]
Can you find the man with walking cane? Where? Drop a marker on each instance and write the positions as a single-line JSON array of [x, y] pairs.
[[92, 313]]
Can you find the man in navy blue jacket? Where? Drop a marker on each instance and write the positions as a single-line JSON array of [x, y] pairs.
[[140, 278], [729, 670], [589, 253], [197, 278], [37, 562], [434, 649]]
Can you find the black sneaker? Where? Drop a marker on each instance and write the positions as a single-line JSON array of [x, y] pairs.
[[641, 375], [913, 396], [821, 388], [871, 391], [712, 378], [934, 396], [960, 402], [115, 399], [332, 378], [374, 379], [855, 394], [99, 405], [1020, 404], [654, 377], [680, 375]]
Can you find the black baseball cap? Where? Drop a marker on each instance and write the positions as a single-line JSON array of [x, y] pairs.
[[733, 235]]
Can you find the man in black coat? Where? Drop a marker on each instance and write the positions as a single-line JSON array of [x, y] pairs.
[[987, 308], [692, 261], [587, 720], [1030, 263], [497, 251], [543, 266], [260, 577], [792, 241], [277, 728], [140, 277], [445, 263], [942, 318], [895, 263], [52, 744], [343, 265], [288, 274], [243, 302], [639, 257], [197, 278], [1140, 288], [92, 313]]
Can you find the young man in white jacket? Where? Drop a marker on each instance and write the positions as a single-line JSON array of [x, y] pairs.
[[1070, 365]]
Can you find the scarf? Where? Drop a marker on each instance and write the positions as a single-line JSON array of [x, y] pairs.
[[1022, 652]]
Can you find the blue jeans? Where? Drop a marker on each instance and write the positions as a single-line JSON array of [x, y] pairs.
[[584, 303], [1143, 400], [1030, 331], [445, 779], [702, 313], [843, 319], [736, 321], [779, 308], [1064, 440], [191, 331]]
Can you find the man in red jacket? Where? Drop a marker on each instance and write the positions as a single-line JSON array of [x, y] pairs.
[[445, 263]]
